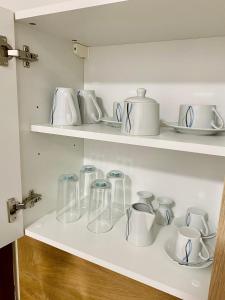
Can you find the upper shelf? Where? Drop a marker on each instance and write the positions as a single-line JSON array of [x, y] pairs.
[[111, 22], [168, 139]]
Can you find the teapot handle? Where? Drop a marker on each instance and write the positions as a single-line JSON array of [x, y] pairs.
[[97, 108]]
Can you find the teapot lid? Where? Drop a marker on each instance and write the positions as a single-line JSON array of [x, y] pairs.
[[140, 98]]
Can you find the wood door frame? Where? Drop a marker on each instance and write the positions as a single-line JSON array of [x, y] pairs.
[[7, 287], [217, 286]]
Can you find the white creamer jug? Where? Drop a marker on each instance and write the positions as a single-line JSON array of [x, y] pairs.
[[140, 221]]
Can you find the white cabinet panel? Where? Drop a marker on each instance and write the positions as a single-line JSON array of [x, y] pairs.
[[44, 158], [10, 180]]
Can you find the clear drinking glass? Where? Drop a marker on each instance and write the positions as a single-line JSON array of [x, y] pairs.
[[88, 174], [68, 203], [100, 207], [117, 180]]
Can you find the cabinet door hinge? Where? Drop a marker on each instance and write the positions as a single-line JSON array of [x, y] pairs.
[[7, 53], [13, 205]]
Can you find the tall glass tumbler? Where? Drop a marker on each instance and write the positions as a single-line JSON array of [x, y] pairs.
[[117, 180], [88, 174], [68, 202], [100, 207]]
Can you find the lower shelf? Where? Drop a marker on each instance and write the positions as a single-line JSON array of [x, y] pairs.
[[149, 265]]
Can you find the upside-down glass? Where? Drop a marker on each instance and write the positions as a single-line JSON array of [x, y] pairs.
[[100, 207], [68, 203], [88, 174], [117, 180]]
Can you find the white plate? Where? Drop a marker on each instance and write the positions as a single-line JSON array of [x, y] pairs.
[[169, 249], [111, 122], [180, 222], [196, 131]]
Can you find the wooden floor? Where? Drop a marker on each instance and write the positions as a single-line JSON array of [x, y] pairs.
[[47, 273]]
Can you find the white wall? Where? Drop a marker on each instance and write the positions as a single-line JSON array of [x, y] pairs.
[[174, 72], [188, 71]]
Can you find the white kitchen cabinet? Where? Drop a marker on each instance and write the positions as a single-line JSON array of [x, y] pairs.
[[175, 51]]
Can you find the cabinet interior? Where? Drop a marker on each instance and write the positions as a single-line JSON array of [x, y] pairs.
[[174, 72]]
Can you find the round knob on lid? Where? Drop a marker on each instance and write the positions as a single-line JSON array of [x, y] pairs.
[[141, 92]]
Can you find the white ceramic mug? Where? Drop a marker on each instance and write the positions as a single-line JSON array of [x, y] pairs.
[[200, 116], [190, 246], [197, 218], [65, 108], [147, 198], [117, 111], [164, 212], [89, 108], [140, 222]]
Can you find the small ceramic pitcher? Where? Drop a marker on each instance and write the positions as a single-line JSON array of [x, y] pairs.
[[164, 212], [140, 221]]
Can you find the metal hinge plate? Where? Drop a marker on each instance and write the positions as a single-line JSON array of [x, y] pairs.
[[13, 205], [7, 53]]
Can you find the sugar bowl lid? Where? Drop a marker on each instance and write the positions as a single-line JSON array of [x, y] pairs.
[[140, 98]]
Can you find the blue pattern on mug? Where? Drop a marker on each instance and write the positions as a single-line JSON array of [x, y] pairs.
[[189, 117], [188, 219], [188, 250], [128, 120], [119, 112], [168, 217]]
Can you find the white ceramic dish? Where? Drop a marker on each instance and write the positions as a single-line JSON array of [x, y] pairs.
[[110, 121], [180, 222], [169, 249], [195, 131]]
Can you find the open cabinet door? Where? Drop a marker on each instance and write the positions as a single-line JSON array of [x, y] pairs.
[[10, 176]]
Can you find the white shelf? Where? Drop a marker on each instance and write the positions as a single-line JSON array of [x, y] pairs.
[[149, 265], [63, 6], [132, 21], [168, 139]]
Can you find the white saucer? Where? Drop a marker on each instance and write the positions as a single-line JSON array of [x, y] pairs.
[[196, 131], [110, 121], [169, 249], [180, 222]]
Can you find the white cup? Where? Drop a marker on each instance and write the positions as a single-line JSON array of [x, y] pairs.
[[197, 218], [140, 221], [190, 246], [117, 111], [65, 108], [200, 116]]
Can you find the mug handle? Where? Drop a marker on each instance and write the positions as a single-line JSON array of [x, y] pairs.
[[53, 107], [206, 251], [206, 231], [97, 108], [219, 118]]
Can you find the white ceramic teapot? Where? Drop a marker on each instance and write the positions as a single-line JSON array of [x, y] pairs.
[[140, 115]]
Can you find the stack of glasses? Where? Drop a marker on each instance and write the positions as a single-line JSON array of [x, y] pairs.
[[103, 200]]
